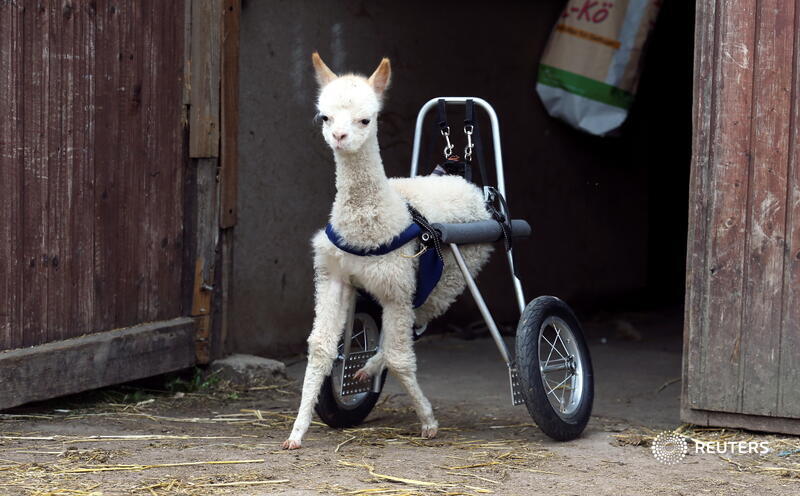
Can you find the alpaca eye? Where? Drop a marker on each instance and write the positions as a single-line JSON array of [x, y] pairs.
[[365, 121], [324, 118]]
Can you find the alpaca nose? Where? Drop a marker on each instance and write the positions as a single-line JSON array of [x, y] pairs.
[[339, 136]]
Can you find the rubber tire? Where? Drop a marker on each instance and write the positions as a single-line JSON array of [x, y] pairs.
[[533, 391], [328, 409]]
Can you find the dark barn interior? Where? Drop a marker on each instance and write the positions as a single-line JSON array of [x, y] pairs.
[[609, 214]]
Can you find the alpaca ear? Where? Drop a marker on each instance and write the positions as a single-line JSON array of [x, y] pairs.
[[380, 78], [324, 74]]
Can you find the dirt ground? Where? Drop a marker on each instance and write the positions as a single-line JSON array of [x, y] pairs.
[[217, 440]]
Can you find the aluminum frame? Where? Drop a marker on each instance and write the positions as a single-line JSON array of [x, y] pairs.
[[471, 285], [501, 187]]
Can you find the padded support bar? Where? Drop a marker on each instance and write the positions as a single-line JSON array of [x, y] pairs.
[[484, 231]]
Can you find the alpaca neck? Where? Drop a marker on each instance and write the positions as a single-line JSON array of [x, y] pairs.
[[367, 211]]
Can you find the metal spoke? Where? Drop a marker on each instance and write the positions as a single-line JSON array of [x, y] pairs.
[[564, 356], [553, 347], [546, 381], [558, 335], [354, 339], [365, 331], [572, 386], [558, 385], [547, 361]]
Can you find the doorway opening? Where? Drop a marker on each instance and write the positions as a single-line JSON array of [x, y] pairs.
[[609, 215]]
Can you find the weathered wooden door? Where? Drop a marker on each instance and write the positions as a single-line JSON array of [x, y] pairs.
[[742, 337], [108, 221]]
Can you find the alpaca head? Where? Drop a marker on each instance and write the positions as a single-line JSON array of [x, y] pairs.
[[348, 105]]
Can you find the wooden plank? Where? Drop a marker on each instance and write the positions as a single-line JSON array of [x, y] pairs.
[[229, 153], [11, 157], [100, 167], [789, 376], [741, 421], [206, 232], [204, 117], [201, 311], [188, 262], [754, 329], [81, 248], [206, 228], [155, 162], [730, 160], [763, 290], [201, 303], [59, 108], [35, 79], [170, 165], [202, 339], [190, 174], [108, 179], [78, 258], [131, 228], [696, 260], [96, 360], [221, 306], [140, 162], [187, 57]]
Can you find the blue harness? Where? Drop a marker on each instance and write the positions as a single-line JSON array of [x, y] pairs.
[[430, 266]]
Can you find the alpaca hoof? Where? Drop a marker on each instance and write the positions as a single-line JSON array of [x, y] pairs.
[[429, 431], [361, 375], [291, 444]]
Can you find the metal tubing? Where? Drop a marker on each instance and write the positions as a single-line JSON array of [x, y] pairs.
[[498, 163], [517, 284], [461, 100], [487, 317], [557, 365]]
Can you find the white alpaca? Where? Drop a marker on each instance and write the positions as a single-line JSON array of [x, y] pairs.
[[370, 210]]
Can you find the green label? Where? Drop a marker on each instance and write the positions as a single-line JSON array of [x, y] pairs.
[[585, 87]]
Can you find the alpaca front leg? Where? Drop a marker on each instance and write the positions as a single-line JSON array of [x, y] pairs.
[[329, 322], [398, 349]]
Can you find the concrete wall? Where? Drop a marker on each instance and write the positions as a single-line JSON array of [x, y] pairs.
[[586, 197]]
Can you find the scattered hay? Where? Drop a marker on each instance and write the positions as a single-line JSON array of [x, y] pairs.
[[392, 478], [68, 492], [635, 437], [117, 468], [95, 456], [487, 461], [206, 484], [91, 465]]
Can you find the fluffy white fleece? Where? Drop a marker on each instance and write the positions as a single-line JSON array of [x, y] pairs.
[[370, 210]]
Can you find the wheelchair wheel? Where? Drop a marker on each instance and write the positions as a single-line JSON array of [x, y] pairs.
[[347, 411], [555, 369]]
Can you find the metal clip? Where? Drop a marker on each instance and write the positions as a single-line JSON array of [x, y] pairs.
[[418, 254], [470, 145], [448, 149]]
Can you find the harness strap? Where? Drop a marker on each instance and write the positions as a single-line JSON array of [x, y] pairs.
[[430, 236], [431, 262], [441, 114], [470, 120], [411, 232], [501, 214]]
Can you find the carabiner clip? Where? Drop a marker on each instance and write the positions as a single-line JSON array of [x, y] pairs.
[[470, 145]]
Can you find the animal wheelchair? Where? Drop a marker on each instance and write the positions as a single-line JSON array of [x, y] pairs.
[[550, 369]]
